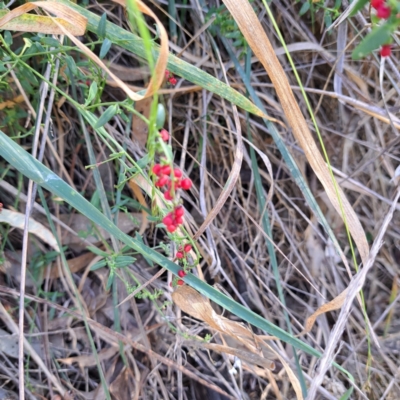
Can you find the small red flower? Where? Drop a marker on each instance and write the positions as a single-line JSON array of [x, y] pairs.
[[164, 135], [187, 248], [162, 181], [181, 273], [168, 196], [166, 170], [376, 3], [186, 184], [178, 173], [386, 50], [179, 212], [173, 81], [383, 11], [157, 169], [171, 228], [179, 255], [180, 282]]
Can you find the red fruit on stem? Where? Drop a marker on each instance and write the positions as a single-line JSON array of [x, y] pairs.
[[162, 181], [179, 255], [172, 80], [178, 173], [179, 212], [376, 3], [181, 273], [386, 50], [180, 282], [164, 135], [168, 220], [156, 169], [167, 73], [168, 196], [383, 11], [171, 228], [186, 184], [179, 220], [166, 170], [187, 248]]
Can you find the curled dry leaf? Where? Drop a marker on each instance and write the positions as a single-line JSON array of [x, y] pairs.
[[17, 220], [196, 305], [19, 20]]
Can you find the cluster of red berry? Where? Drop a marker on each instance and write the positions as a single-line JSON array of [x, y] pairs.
[[172, 178], [383, 11], [180, 254], [173, 219], [170, 78]]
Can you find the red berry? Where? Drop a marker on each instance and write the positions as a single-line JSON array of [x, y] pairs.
[[166, 170], [162, 181], [180, 282], [386, 50], [178, 173], [383, 11], [156, 169], [167, 73], [168, 196], [171, 228], [181, 273], [172, 80], [186, 184], [179, 212], [168, 220], [164, 135], [179, 255], [187, 248], [179, 220], [376, 3]]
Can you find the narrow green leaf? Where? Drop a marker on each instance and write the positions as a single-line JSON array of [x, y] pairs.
[[71, 65], [98, 265], [304, 8], [106, 116], [359, 6], [92, 93], [105, 47], [160, 118], [97, 251], [124, 261], [8, 38], [376, 38], [101, 28]]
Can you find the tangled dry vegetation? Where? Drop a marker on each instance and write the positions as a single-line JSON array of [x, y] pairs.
[[171, 343]]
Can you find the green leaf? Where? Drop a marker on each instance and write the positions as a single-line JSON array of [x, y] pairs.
[[106, 116], [97, 251], [49, 41], [71, 65], [92, 93], [101, 28], [8, 38], [105, 47], [160, 117], [304, 8], [124, 261], [359, 6], [98, 265], [110, 280], [376, 38]]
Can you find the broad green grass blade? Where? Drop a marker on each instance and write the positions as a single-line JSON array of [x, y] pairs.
[[33, 169]]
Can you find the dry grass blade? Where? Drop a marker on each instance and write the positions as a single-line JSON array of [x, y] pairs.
[[353, 289], [255, 35], [158, 75], [68, 19], [193, 303]]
